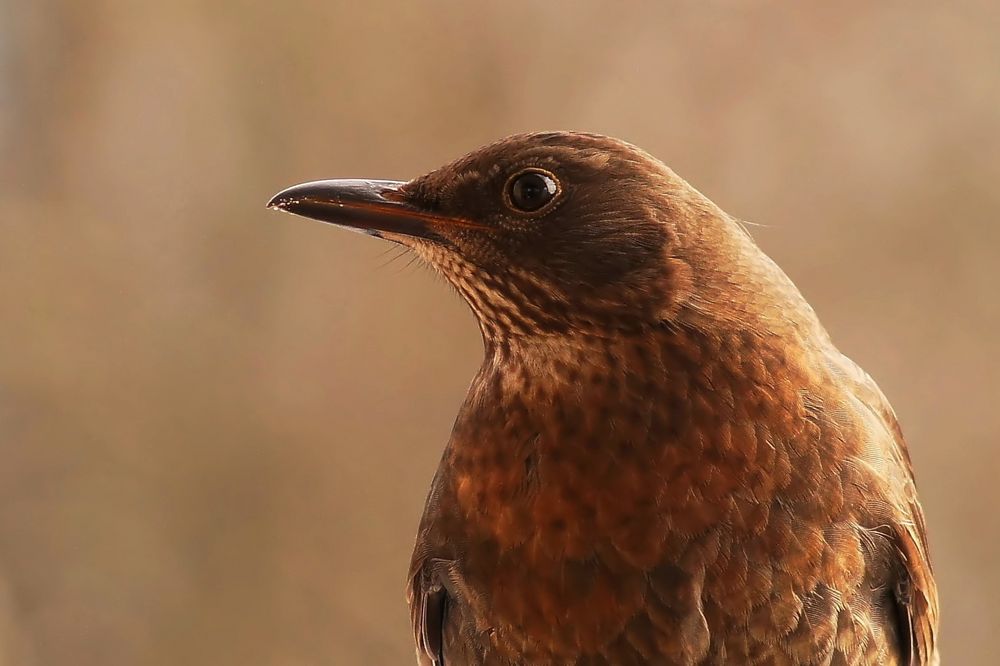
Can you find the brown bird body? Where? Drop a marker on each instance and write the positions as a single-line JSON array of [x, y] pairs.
[[663, 459]]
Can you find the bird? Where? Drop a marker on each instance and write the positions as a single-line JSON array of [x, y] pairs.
[[663, 458]]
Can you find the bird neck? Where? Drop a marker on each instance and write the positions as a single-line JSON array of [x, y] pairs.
[[548, 372]]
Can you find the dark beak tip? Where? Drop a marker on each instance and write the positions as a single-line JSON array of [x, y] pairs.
[[282, 200], [336, 192]]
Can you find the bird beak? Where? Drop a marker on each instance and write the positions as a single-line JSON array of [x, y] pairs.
[[374, 207]]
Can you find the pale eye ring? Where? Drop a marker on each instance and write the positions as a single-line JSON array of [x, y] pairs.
[[531, 190]]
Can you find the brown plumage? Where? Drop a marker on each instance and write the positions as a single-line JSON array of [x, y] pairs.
[[663, 459]]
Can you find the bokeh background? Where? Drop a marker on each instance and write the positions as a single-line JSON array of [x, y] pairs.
[[217, 423]]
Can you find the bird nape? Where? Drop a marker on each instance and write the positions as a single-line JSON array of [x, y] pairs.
[[663, 458]]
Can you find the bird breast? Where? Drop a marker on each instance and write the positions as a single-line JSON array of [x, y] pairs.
[[579, 467]]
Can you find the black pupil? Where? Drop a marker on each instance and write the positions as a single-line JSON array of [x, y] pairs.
[[531, 191]]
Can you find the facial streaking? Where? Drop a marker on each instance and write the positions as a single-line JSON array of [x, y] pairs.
[[541, 233]]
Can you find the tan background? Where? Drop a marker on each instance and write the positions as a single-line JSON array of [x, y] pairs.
[[217, 424]]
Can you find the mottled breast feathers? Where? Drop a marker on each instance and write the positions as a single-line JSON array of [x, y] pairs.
[[673, 498]]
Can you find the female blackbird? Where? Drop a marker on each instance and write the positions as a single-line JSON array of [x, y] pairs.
[[663, 459]]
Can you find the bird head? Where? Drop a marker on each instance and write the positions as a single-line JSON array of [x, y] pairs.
[[544, 233]]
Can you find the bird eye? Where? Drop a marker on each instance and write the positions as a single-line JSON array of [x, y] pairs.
[[530, 191]]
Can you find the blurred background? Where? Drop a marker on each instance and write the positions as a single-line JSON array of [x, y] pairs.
[[218, 424]]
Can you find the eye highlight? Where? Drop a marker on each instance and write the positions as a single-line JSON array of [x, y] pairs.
[[530, 191]]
